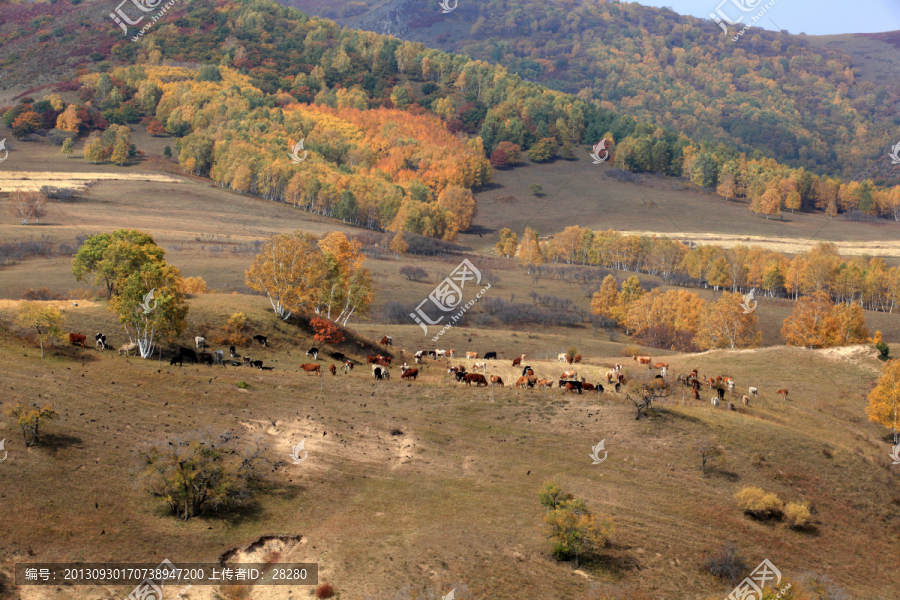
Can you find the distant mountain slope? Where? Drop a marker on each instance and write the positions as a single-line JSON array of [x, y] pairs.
[[792, 98]]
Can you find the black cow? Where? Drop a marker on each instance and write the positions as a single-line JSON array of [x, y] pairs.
[[205, 358], [177, 359], [262, 340], [525, 371], [233, 352], [188, 354], [314, 352], [570, 385], [257, 364], [460, 375], [721, 392], [490, 356], [101, 341], [338, 356]]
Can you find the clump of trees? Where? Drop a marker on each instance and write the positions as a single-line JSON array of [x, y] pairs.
[[884, 400], [573, 529], [817, 322], [201, 472]]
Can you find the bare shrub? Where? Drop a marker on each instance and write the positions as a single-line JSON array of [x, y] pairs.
[[27, 205], [413, 273], [726, 564]]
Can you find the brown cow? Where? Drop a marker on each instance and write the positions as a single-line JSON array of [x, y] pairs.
[[477, 378], [76, 339], [333, 369], [372, 359], [409, 374], [745, 400], [471, 355], [386, 341], [588, 387], [784, 394], [451, 353], [518, 361], [578, 358], [496, 379], [572, 386], [522, 382], [568, 375], [643, 360], [347, 366], [545, 383], [311, 369], [661, 365], [569, 358]]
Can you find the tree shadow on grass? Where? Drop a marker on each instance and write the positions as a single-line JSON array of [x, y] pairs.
[[729, 476], [614, 560], [59, 441]]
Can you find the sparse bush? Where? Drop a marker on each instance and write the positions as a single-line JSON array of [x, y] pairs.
[[242, 384], [630, 351], [30, 420], [726, 564], [797, 515], [398, 312], [193, 285], [236, 323], [413, 273], [758, 503], [708, 451], [199, 472], [883, 351]]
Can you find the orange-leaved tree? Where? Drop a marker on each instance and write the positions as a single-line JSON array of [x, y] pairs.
[[347, 287], [603, 303], [884, 400], [812, 324], [326, 331]]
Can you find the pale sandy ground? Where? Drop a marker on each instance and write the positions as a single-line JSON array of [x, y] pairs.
[[11, 181], [785, 245]]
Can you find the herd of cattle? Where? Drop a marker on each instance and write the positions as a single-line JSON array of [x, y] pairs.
[[568, 381]]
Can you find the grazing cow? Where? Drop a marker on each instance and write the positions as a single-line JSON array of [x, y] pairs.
[[570, 359], [379, 372], [127, 348], [348, 366], [621, 379], [205, 358], [696, 393], [471, 355], [220, 357], [714, 401], [577, 358], [480, 365], [721, 393], [409, 374], [311, 369], [456, 369], [404, 366], [199, 342], [522, 381], [477, 378], [338, 356], [188, 354], [545, 383], [262, 340], [562, 357], [386, 341], [247, 361], [618, 385], [610, 375], [730, 385], [745, 400], [460, 375], [496, 380], [518, 361], [490, 356], [587, 387], [101, 341], [754, 391], [660, 365], [451, 353], [731, 406], [384, 362], [76, 339], [314, 352], [783, 394], [372, 359], [432, 353], [528, 372], [643, 360], [233, 352], [572, 386], [440, 354], [569, 375], [177, 359], [332, 369], [258, 364]]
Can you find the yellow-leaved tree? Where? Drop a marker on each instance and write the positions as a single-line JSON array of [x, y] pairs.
[[45, 321], [726, 324], [884, 400], [812, 323], [530, 249], [347, 287], [604, 302], [290, 270], [508, 242]]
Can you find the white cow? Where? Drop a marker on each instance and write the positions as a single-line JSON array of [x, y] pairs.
[[754, 391], [480, 365], [563, 357], [199, 342]]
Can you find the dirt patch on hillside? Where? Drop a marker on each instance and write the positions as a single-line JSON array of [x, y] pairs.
[[61, 304], [19, 180]]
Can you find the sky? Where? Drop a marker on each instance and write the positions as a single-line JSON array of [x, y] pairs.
[[814, 17]]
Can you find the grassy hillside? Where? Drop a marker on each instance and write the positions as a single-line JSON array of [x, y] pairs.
[[450, 495]]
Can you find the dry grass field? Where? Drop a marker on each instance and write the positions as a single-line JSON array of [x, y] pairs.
[[430, 482]]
